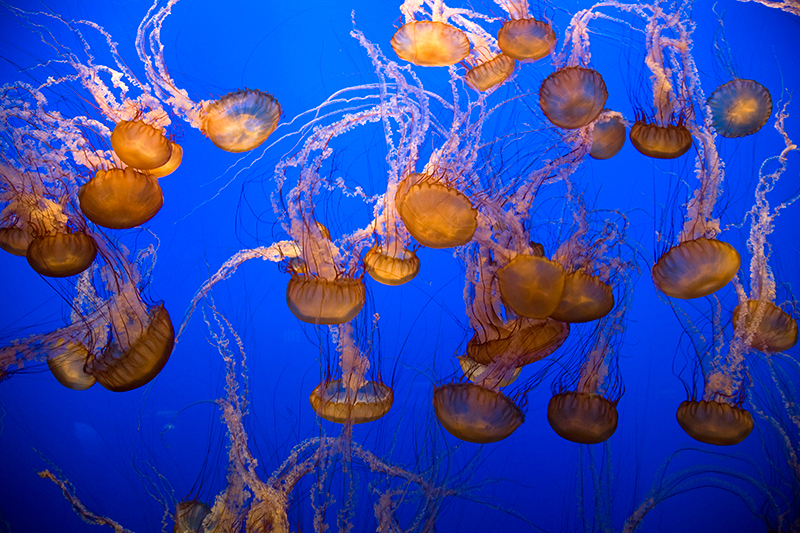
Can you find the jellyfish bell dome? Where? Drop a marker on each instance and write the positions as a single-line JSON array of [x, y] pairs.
[[531, 286], [15, 240], [120, 369], [437, 216], [777, 331], [120, 198], [573, 97], [491, 73], [334, 402], [430, 44], [526, 38], [474, 413], [660, 142], [61, 254], [68, 366], [390, 270], [140, 145], [695, 268], [585, 298], [175, 160], [240, 121], [320, 301], [473, 371], [189, 516], [739, 108], [531, 342], [608, 137], [582, 417], [715, 423]]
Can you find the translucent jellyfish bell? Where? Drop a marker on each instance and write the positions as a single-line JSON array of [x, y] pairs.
[[715, 423], [320, 301], [122, 368], [739, 108], [573, 97], [140, 145], [526, 38], [120, 199], [582, 417], [435, 215], [240, 121], [61, 254], [15, 240], [486, 75], [661, 142], [189, 516], [696, 268], [608, 136], [68, 366], [532, 341], [776, 332], [335, 403], [531, 286], [390, 270], [585, 298], [430, 44], [474, 413], [175, 160]]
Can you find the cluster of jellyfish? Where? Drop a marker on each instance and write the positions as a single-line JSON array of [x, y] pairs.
[[66, 180]]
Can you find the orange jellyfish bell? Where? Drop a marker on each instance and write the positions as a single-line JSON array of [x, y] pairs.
[[121, 369], [430, 44], [573, 97], [696, 268], [715, 423], [661, 142], [777, 331], [389, 270], [608, 137], [531, 286], [15, 240], [493, 72], [240, 121], [189, 516], [434, 214], [582, 417], [140, 145], [120, 199], [61, 254], [474, 413], [68, 366], [585, 298], [526, 38], [170, 166], [320, 301], [533, 341], [739, 108], [336, 403]]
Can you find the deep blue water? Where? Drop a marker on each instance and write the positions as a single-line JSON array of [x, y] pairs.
[[129, 455]]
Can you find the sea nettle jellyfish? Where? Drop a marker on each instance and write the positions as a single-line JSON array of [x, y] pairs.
[[239, 121], [739, 108], [608, 135], [523, 37], [430, 43], [583, 408]]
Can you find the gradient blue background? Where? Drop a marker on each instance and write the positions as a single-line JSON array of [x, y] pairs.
[[110, 445]]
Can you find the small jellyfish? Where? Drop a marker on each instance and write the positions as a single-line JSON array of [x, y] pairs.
[[66, 362], [713, 422], [573, 97], [608, 135], [175, 160], [15, 240], [526, 38], [585, 298], [388, 269], [661, 142], [776, 330], [140, 145], [430, 43], [531, 286], [240, 121], [120, 198], [336, 403], [582, 417], [490, 73], [436, 215], [321, 301], [739, 108], [696, 268], [474, 413], [519, 343]]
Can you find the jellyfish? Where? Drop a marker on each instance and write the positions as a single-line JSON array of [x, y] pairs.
[[120, 199], [239, 121], [762, 323], [608, 135], [140, 145], [573, 97], [583, 408], [739, 108], [433, 43], [523, 37]]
